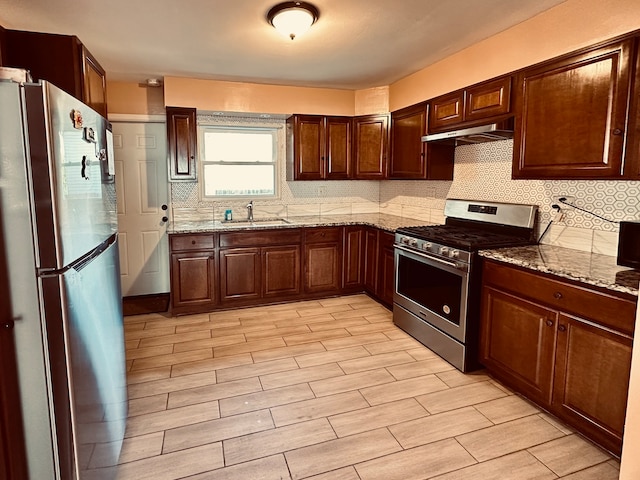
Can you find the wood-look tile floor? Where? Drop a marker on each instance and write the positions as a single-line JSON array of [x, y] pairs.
[[325, 390]]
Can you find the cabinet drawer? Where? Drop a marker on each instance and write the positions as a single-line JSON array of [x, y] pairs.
[[321, 235], [608, 310], [261, 238], [192, 242]]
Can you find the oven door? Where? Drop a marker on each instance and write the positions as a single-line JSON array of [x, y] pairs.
[[434, 290]]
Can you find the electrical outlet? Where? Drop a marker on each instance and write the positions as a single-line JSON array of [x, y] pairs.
[[567, 198]]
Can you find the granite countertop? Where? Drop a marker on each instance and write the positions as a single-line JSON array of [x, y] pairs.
[[380, 220], [589, 268]]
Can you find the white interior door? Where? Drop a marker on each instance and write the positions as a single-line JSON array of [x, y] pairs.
[[142, 189]]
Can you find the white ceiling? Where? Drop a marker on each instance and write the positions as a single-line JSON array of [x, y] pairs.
[[355, 44]]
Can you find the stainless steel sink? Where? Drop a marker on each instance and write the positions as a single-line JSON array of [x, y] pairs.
[[258, 222]]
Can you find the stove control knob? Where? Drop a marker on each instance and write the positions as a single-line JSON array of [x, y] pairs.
[[404, 240], [426, 246], [454, 254], [413, 242], [444, 251]]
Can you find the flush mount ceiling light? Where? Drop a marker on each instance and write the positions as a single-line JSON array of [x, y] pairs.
[[293, 18]]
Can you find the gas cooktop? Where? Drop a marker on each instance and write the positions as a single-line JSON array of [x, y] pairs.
[[465, 238]]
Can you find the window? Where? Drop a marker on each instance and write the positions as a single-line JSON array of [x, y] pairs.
[[238, 162]]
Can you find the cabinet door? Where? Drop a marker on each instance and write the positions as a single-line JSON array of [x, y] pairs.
[[407, 149], [308, 147], [193, 279], [571, 115], [240, 274], [338, 147], [281, 267], [181, 135], [488, 99], [386, 268], [446, 111], [371, 133], [94, 83], [322, 267], [371, 260], [353, 258], [518, 342], [632, 151], [592, 379]]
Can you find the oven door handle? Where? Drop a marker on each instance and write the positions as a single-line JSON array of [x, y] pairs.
[[428, 257]]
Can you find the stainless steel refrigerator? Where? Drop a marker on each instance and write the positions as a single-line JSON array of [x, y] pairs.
[[59, 221]]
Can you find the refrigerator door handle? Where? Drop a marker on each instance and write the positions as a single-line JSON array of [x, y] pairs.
[[81, 262]]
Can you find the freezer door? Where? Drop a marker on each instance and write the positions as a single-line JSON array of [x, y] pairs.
[[93, 324], [71, 171]]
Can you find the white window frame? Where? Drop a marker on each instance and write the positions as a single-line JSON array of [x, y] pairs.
[[273, 130]]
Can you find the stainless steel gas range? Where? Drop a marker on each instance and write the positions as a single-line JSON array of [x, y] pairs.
[[437, 282]]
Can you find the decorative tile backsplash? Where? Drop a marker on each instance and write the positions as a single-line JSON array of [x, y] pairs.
[[481, 172]]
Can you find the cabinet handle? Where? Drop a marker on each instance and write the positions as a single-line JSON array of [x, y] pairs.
[[557, 295], [562, 328], [549, 323], [617, 131]]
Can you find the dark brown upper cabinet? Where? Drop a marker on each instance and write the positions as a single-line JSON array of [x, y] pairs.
[[182, 142], [571, 115], [371, 146], [632, 151], [410, 157], [3, 41], [319, 147], [60, 59], [471, 106]]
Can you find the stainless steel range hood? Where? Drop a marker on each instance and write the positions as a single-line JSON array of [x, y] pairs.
[[481, 134]]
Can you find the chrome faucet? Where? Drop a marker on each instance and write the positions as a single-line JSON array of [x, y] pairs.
[[250, 211]]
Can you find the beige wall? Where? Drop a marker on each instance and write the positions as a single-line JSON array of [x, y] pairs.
[[569, 26], [134, 98], [372, 100], [216, 95]]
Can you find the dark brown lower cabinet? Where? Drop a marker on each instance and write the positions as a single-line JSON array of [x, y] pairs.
[[240, 274], [353, 258], [251, 267], [564, 346], [281, 267], [194, 282], [322, 260], [371, 259], [258, 266], [592, 378], [386, 269]]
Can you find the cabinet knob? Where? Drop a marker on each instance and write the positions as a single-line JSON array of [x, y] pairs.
[[562, 328], [617, 131], [557, 295], [193, 242], [549, 323], [164, 207], [165, 219]]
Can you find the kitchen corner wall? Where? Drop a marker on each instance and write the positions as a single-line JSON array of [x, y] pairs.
[[483, 172]]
